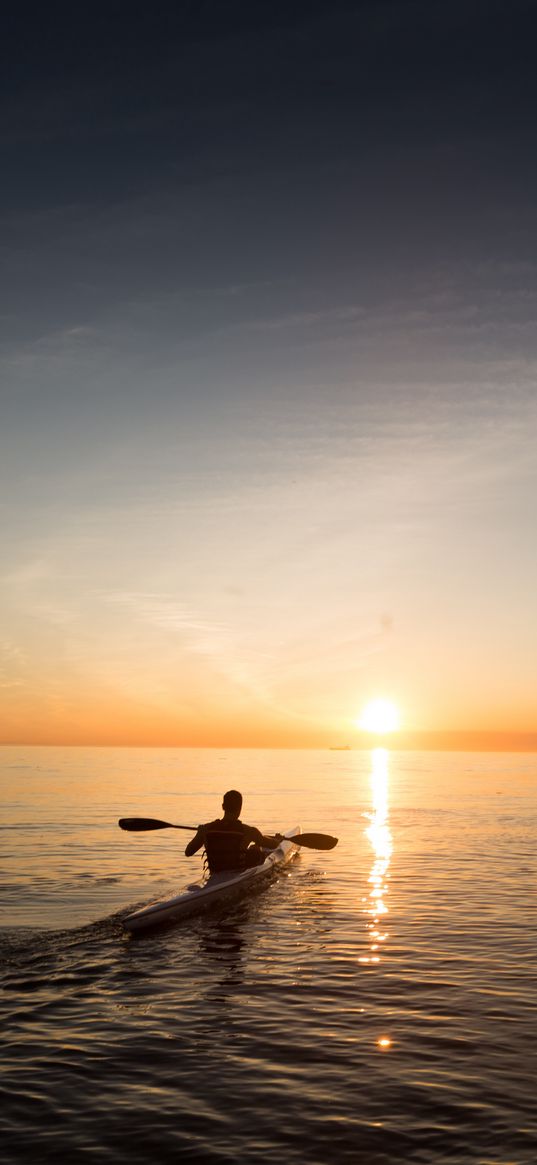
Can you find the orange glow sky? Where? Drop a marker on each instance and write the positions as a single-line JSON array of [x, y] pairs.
[[269, 416]]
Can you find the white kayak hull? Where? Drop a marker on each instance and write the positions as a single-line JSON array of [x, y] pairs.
[[218, 888]]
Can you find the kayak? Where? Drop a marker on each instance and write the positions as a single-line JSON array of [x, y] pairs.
[[218, 888]]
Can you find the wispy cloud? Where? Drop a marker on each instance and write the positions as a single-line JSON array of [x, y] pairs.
[[55, 346], [166, 612], [13, 665]]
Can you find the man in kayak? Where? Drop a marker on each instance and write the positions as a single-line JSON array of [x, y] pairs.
[[229, 844]]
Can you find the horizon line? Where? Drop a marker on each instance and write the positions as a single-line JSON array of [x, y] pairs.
[[435, 741]]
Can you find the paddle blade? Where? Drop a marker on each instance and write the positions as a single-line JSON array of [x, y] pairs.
[[138, 824], [315, 840]]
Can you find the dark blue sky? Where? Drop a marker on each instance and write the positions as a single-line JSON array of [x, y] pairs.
[[341, 145]]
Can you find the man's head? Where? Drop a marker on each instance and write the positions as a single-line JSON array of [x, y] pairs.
[[232, 803]]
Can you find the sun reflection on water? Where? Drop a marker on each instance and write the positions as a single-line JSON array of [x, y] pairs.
[[380, 838]]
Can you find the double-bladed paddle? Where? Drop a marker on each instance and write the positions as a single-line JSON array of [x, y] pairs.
[[308, 840]]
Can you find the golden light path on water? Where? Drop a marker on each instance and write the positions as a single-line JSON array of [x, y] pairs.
[[379, 836]]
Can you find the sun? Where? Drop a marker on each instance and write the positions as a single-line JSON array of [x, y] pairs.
[[379, 716]]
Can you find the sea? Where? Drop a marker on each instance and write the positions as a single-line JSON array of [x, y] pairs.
[[373, 1004]]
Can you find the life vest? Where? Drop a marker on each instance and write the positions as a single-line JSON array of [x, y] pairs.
[[225, 845]]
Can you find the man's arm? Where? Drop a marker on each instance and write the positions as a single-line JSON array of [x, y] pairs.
[[265, 840], [197, 841], [271, 841]]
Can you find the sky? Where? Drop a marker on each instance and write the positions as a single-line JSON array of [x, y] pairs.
[[268, 372]]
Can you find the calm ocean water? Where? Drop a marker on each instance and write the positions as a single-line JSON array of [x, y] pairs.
[[374, 1004]]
